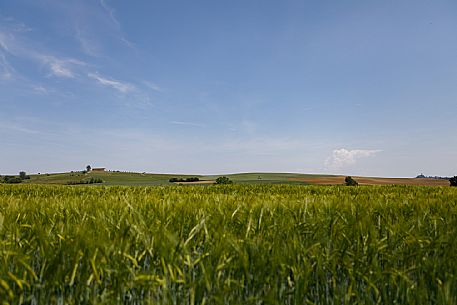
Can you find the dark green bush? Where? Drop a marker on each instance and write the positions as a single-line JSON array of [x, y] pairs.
[[223, 180], [11, 179], [350, 182], [190, 179], [453, 181]]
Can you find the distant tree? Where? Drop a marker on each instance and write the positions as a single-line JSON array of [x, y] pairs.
[[350, 182], [88, 168], [22, 175], [453, 181], [420, 176], [223, 180]]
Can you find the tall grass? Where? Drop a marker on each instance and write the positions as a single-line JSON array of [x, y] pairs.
[[240, 244]]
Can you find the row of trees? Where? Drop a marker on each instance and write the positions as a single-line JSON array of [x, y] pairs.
[[85, 181], [219, 180], [190, 179], [13, 179]]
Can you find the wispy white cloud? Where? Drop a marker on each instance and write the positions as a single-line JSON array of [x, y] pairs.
[[118, 85], [40, 89], [13, 24], [153, 86], [9, 29], [3, 43], [344, 157], [6, 39], [60, 67], [111, 13], [88, 46], [57, 66], [6, 70], [19, 45], [15, 127], [187, 123]]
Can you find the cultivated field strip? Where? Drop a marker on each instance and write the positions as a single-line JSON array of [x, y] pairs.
[[238, 244]]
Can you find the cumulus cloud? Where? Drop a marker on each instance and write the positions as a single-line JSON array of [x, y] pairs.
[[115, 84], [344, 157]]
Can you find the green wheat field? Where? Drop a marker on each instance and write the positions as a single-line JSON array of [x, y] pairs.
[[235, 244]]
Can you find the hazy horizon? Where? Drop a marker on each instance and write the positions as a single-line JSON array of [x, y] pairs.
[[323, 87]]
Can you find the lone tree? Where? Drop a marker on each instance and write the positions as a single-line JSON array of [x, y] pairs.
[[223, 180], [453, 181], [88, 168], [350, 182], [22, 175]]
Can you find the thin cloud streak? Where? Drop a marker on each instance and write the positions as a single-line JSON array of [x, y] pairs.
[[87, 46], [120, 86], [153, 86], [3, 44], [110, 11], [18, 128], [63, 67], [60, 70], [6, 70], [40, 89], [187, 123], [6, 40], [60, 67]]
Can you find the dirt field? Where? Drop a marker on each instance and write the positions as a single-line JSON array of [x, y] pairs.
[[375, 181]]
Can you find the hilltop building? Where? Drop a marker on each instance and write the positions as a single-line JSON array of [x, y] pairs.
[[99, 169]]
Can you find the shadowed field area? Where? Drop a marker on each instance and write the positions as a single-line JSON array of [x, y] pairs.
[[374, 181]]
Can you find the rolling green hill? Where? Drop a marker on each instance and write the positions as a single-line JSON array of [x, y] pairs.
[[145, 179], [149, 179]]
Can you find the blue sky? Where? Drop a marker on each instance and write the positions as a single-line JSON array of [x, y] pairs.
[[344, 87]]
